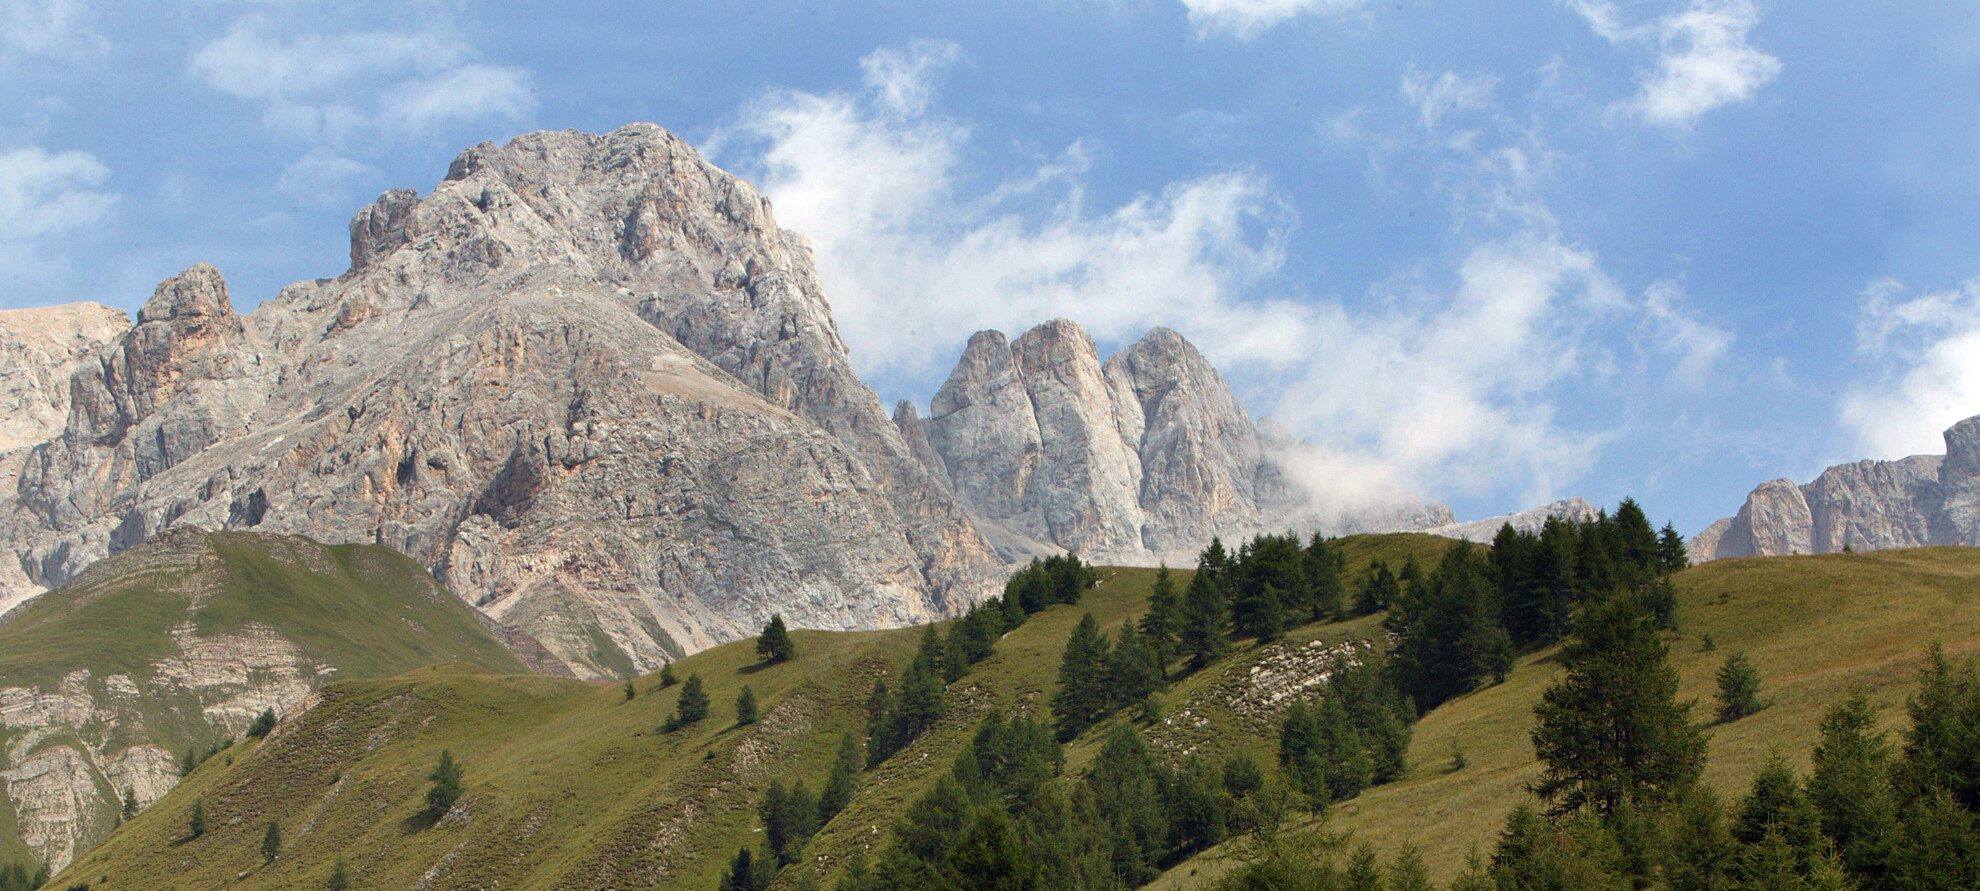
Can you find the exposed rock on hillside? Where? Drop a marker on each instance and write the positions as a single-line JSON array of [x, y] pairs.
[[1864, 506], [1572, 510], [39, 350], [1144, 457], [587, 381], [184, 639]]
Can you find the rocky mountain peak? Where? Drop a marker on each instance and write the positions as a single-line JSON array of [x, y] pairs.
[[1963, 450], [197, 293]]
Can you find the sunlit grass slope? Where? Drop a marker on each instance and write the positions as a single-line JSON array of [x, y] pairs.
[[1818, 628]]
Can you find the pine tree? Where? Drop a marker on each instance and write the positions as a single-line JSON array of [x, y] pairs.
[[746, 706], [130, 803], [991, 854], [1700, 851], [1942, 748], [745, 874], [1849, 788], [693, 704], [1134, 670], [1450, 638], [630, 692], [667, 675], [880, 741], [340, 877], [920, 702], [1739, 688], [1775, 822], [1323, 577], [190, 763], [774, 644], [196, 824], [1161, 626], [271, 842], [446, 789], [1364, 872], [1379, 588], [263, 724], [790, 818], [1260, 614], [1206, 629], [1611, 731], [1671, 552], [1408, 872], [1301, 753], [1083, 695], [1195, 803], [843, 782]]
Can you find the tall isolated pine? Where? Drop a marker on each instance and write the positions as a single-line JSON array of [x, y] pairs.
[[1611, 731], [1161, 626], [1206, 621], [1084, 695], [693, 704], [446, 788]]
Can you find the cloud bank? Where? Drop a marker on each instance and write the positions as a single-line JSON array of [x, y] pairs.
[[1920, 360], [1453, 378]]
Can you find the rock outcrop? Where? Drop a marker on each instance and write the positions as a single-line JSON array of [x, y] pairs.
[[1572, 510], [1862, 506], [110, 679], [39, 350], [1142, 458], [587, 381]]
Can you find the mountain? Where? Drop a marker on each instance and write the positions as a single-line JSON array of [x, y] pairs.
[[570, 785], [1138, 459], [1863, 506], [587, 381], [180, 641]]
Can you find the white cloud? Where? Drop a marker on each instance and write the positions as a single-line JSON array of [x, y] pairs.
[[1444, 94], [1453, 381], [325, 180], [1920, 356], [47, 28], [1245, 19], [1704, 59], [336, 90], [43, 193]]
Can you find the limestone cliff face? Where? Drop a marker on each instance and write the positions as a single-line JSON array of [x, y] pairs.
[[587, 381], [1141, 458], [1864, 506], [86, 724], [39, 350]]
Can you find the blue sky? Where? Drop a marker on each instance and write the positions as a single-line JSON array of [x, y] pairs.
[[1487, 253]]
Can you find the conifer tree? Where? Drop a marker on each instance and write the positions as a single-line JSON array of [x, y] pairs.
[[991, 855], [1450, 638], [1849, 788], [1701, 848], [1259, 613], [446, 788], [746, 706], [271, 842], [693, 704], [1323, 576], [1134, 670], [1775, 823], [774, 644], [921, 693], [1671, 553], [1739, 688], [1083, 695], [1942, 748], [196, 824], [667, 676], [1206, 630], [263, 724], [1408, 872], [1378, 589], [843, 782], [746, 874], [130, 803], [790, 818], [189, 763], [340, 877], [879, 723], [1195, 803], [1300, 753], [1364, 872], [1161, 626], [1242, 775], [1611, 731]]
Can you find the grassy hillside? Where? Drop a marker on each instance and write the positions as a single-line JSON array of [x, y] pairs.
[[243, 599], [569, 785]]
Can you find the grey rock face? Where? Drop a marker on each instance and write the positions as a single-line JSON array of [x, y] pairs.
[[1863, 506], [1572, 510], [587, 381], [39, 350], [1142, 458]]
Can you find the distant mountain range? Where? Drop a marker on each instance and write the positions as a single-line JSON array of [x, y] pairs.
[[1863, 506], [590, 384]]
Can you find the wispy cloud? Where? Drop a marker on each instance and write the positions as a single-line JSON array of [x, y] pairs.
[[47, 29], [45, 195], [1704, 58], [1245, 19], [1919, 355], [342, 95], [1453, 378]]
